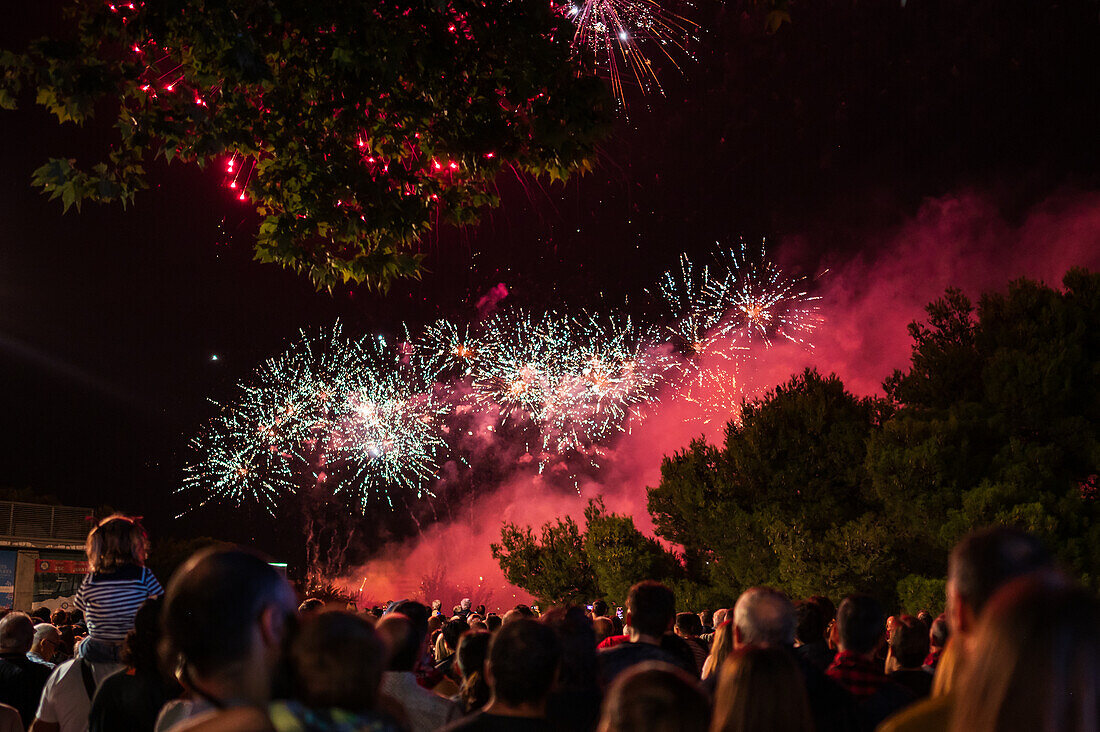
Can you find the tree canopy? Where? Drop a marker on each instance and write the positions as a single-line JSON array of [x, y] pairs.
[[352, 127], [995, 421]]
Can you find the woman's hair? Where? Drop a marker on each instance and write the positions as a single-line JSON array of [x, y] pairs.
[[473, 648], [1035, 660], [720, 648], [947, 668], [655, 697], [117, 540], [761, 689], [338, 660]]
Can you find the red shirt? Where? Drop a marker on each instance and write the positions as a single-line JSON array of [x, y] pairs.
[[860, 676], [613, 640]]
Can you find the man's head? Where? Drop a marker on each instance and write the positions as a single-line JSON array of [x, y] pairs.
[[403, 640], [811, 623], [861, 624], [523, 662], [465, 604], [688, 625], [983, 562], [937, 636], [599, 609], [706, 617], [908, 644], [338, 660], [226, 608], [311, 605], [650, 608], [16, 633], [763, 617], [47, 640], [519, 611], [452, 631]]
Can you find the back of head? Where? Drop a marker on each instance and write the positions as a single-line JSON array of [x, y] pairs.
[[403, 640], [338, 661], [473, 649], [41, 613], [939, 634], [603, 628], [599, 609], [652, 608], [116, 541], [493, 622], [211, 604], [47, 631], [417, 614], [16, 633], [811, 622], [139, 650], [764, 617], [986, 559], [1036, 660], [689, 624], [59, 617], [523, 659], [860, 623], [828, 609], [577, 639], [909, 642], [655, 697], [761, 689], [311, 605], [453, 630]]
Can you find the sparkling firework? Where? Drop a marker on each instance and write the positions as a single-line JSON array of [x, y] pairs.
[[368, 418], [357, 415], [615, 35], [756, 300]]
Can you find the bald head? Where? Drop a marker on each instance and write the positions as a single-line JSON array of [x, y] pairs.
[[16, 633], [763, 617], [402, 638]]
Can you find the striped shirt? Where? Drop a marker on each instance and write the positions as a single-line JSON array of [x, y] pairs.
[[110, 600]]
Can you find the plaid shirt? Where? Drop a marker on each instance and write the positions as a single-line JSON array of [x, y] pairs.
[[861, 677]]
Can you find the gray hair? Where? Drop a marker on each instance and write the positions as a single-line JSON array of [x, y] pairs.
[[764, 617]]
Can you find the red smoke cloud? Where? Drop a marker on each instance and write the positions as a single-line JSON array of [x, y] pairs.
[[867, 302]]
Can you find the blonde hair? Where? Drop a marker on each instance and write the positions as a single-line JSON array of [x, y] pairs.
[[760, 689], [117, 540]]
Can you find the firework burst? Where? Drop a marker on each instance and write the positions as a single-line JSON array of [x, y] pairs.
[[369, 419], [616, 35], [357, 416]]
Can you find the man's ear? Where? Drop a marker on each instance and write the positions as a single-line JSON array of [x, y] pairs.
[[960, 616], [738, 639], [273, 625], [492, 682]]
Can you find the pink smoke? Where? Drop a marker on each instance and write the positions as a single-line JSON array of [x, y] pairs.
[[867, 302], [488, 302]]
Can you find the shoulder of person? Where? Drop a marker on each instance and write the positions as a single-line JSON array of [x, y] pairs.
[[238, 719], [926, 715]]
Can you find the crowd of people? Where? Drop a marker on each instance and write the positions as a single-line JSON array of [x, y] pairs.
[[229, 646]]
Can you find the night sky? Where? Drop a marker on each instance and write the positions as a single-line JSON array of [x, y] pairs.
[[820, 137]]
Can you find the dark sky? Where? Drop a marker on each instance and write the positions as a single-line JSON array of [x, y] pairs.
[[833, 129]]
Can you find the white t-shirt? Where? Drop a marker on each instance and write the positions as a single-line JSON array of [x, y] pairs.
[[65, 701]]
